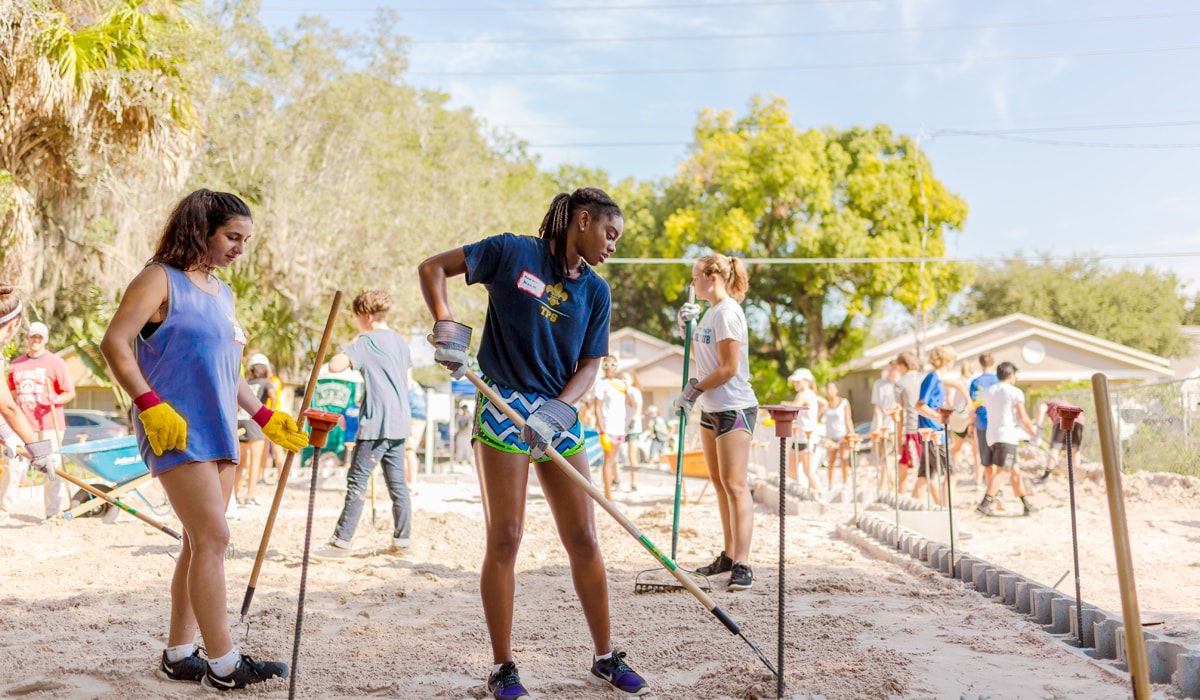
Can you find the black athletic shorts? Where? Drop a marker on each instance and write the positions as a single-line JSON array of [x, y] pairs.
[[723, 422], [933, 459], [1058, 441], [981, 443], [1004, 455]]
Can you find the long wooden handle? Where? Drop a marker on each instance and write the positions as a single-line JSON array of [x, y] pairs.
[[606, 504], [104, 496], [282, 479]]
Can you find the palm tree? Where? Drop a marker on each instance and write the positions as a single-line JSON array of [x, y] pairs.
[[82, 83]]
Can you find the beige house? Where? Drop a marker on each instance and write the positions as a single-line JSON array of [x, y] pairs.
[[658, 364], [1046, 354], [90, 391]]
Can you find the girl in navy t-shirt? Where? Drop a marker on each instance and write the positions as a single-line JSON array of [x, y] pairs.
[[544, 336]]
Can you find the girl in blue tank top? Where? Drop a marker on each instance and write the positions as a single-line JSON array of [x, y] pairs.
[[175, 345]]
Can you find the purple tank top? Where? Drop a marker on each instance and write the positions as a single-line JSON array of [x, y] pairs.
[[192, 360]]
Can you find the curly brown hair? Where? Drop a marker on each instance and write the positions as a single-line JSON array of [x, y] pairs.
[[372, 301]]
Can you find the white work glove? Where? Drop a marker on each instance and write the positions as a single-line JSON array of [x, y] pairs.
[[544, 424], [687, 398], [450, 341], [688, 313], [12, 441], [39, 455]]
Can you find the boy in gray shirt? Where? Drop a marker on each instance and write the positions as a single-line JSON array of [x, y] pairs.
[[382, 357]]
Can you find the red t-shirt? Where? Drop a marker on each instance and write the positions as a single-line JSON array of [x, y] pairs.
[[33, 381]]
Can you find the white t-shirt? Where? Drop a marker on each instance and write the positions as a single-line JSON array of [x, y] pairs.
[[1003, 425], [883, 395], [611, 395], [724, 321], [634, 412]]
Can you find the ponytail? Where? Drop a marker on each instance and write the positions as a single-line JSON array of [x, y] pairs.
[[730, 270], [557, 221]]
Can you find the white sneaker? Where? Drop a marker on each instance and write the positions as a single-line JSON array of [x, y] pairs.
[[331, 552]]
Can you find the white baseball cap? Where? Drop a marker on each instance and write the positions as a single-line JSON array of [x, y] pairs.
[[258, 359], [38, 328], [801, 373]]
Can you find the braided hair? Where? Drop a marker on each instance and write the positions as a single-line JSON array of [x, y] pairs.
[[563, 208]]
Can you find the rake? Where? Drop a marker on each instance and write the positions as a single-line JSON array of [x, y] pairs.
[[652, 580]]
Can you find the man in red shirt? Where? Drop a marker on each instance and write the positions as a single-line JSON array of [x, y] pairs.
[[41, 385]]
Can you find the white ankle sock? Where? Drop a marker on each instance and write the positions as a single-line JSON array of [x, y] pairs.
[[180, 652], [224, 665], [496, 668], [606, 656]]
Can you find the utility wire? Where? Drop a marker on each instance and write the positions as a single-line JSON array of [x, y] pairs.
[[633, 7], [811, 34], [913, 259], [558, 73], [1003, 134]]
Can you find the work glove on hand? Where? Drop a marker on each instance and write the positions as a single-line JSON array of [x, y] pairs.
[[12, 441], [687, 313], [165, 429], [281, 429], [450, 341], [687, 397], [550, 419], [39, 455]]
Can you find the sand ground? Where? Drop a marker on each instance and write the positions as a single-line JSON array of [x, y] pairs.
[[83, 613]]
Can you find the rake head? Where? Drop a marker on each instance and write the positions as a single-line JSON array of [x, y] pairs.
[[661, 581]]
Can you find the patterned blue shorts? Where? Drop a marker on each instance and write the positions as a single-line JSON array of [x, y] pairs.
[[495, 430]]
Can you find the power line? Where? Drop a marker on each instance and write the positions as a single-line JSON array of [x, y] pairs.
[[913, 259], [810, 34], [633, 7], [803, 66], [1004, 134], [772, 127]]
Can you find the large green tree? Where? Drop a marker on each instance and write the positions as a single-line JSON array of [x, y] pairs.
[[83, 86], [1139, 308], [761, 187]]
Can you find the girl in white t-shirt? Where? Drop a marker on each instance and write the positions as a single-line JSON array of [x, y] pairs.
[[611, 399], [728, 406]]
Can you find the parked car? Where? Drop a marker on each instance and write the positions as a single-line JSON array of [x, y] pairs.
[[85, 424]]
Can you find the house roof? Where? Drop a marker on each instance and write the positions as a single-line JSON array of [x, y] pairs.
[[1188, 365], [987, 336]]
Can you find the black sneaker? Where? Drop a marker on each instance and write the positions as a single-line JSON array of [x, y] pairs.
[[247, 672], [719, 566], [1030, 509], [742, 577], [986, 507], [505, 684], [616, 674], [190, 669]]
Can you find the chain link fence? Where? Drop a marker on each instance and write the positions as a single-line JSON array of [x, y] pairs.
[[1158, 424]]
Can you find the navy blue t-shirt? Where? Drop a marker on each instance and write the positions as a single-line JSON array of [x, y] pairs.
[[978, 390], [933, 393], [539, 324]]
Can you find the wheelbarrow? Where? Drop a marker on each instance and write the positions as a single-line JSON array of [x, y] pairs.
[[119, 463]]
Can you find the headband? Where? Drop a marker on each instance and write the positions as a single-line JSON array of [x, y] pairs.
[[12, 314]]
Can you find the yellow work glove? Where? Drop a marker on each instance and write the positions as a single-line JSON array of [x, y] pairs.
[[281, 429], [166, 430]]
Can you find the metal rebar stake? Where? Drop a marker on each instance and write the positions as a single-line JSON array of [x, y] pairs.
[[783, 417], [1065, 415]]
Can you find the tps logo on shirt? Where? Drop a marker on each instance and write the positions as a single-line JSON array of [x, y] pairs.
[[556, 296], [704, 335]]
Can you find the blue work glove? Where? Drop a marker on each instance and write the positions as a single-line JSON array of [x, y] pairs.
[[550, 419], [39, 455], [687, 397], [450, 341]]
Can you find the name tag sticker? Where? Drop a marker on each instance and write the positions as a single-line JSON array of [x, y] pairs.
[[531, 284]]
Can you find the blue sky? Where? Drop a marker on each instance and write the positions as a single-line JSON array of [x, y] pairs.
[[1012, 69]]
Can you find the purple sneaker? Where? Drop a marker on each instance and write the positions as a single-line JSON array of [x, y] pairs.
[[505, 684], [614, 672]]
